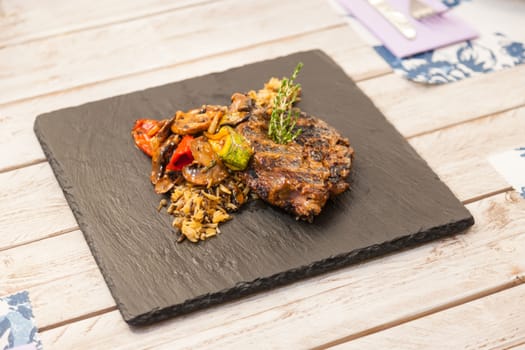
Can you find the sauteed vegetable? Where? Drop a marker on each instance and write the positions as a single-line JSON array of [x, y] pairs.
[[195, 155]]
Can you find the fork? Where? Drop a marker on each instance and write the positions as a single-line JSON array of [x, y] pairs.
[[419, 10]]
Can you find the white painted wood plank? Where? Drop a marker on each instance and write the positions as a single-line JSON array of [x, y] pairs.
[[338, 304], [60, 275], [27, 20], [416, 108], [88, 57], [44, 261], [87, 287], [494, 322], [16, 120], [32, 206], [459, 154], [519, 346], [359, 63]]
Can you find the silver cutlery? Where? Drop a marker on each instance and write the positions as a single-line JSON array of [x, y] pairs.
[[396, 18]]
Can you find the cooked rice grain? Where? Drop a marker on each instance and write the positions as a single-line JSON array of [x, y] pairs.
[[198, 210]]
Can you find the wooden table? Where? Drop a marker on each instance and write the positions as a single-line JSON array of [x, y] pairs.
[[463, 292]]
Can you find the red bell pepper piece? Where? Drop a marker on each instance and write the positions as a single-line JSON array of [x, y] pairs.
[[182, 155], [144, 131]]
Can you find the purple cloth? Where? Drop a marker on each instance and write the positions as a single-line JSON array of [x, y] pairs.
[[432, 33]]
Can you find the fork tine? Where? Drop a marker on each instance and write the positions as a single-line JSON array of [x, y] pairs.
[[420, 10], [424, 14]]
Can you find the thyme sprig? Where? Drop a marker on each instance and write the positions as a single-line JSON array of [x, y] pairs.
[[283, 119]]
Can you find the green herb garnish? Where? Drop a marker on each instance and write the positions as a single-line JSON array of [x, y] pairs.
[[284, 116]]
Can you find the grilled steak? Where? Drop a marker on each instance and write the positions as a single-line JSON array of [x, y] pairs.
[[300, 176]]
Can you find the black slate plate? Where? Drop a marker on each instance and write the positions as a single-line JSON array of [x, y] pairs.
[[395, 202]]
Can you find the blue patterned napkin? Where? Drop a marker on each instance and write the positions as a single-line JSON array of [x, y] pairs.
[[17, 324], [494, 50], [459, 61], [511, 165]]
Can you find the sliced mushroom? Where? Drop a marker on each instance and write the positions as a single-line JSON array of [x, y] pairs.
[[205, 176], [162, 134], [167, 181], [196, 120], [161, 157], [241, 103], [207, 169]]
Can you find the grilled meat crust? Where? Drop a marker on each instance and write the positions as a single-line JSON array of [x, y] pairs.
[[300, 176]]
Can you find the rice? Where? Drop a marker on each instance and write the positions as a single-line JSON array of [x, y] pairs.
[[198, 210]]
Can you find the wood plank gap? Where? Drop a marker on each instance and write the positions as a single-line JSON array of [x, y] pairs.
[[486, 195], [484, 116], [373, 76], [79, 318], [22, 165], [190, 61], [520, 343], [132, 18], [54, 234], [518, 280]]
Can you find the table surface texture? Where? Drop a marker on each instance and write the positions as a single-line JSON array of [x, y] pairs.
[[462, 292]]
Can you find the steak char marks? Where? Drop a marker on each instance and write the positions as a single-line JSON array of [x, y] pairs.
[[300, 176]]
